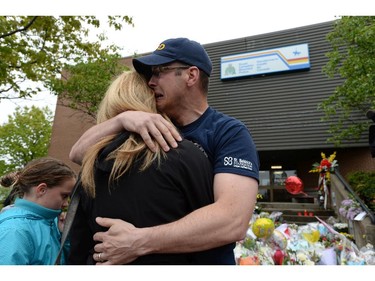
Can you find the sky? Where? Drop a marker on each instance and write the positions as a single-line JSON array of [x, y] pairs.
[[199, 20]]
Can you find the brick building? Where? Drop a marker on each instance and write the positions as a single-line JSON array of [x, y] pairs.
[[276, 96]]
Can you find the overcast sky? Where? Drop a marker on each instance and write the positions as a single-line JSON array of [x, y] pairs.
[[199, 20]]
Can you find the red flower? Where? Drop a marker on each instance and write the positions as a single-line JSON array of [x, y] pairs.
[[325, 164], [278, 257]]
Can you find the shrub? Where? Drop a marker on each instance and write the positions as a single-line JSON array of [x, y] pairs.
[[363, 183], [3, 194]]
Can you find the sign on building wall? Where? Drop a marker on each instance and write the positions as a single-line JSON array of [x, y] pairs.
[[288, 58]]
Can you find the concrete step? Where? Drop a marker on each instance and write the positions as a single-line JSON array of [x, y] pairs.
[[301, 213], [302, 219], [289, 205], [298, 213], [280, 194]]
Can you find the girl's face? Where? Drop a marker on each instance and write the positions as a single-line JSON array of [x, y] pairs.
[[56, 197]]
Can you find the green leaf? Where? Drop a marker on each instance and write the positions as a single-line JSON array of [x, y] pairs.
[[352, 58], [37, 48], [24, 137]]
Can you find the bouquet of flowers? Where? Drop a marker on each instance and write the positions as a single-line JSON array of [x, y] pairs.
[[324, 168], [326, 165], [349, 209]]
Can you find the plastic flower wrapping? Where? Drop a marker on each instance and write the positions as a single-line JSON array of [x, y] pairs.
[[269, 242]]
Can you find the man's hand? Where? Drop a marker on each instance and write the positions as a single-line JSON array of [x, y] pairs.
[[118, 244], [151, 126]]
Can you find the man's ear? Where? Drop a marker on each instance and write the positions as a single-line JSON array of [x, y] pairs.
[[193, 75], [41, 189]]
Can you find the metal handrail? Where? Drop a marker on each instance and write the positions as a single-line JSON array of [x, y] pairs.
[[350, 190]]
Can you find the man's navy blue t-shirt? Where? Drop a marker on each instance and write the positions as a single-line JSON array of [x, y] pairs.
[[231, 149]]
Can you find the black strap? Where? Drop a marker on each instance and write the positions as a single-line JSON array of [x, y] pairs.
[[72, 209]]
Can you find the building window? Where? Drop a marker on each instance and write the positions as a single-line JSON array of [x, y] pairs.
[[272, 183], [275, 177]]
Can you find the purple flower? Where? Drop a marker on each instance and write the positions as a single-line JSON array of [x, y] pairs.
[[342, 212], [349, 209], [346, 202]]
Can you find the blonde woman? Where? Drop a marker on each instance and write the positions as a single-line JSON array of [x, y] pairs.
[[122, 178]]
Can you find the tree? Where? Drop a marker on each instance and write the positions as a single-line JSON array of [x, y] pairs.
[[84, 85], [38, 48], [353, 59], [24, 137]]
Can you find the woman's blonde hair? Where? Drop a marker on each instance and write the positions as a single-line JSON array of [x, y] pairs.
[[129, 91]]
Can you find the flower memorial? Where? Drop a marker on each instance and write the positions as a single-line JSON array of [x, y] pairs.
[[324, 168], [269, 242]]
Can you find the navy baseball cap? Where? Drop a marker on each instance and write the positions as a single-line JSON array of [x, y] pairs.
[[176, 49]]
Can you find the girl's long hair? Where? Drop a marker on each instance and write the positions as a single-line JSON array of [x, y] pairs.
[[48, 170], [129, 91]]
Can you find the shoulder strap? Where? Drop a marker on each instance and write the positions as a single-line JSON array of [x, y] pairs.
[[69, 217]]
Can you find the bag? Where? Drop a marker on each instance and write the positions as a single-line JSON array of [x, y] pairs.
[[72, 209]]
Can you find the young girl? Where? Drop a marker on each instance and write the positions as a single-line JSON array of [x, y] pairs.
[[29, 233]]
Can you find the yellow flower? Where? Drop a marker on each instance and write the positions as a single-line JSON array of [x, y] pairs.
[[314, 170], [332, 157]]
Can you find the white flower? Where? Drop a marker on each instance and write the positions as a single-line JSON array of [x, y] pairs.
[[301, 257], [340, 225], [309, 262]]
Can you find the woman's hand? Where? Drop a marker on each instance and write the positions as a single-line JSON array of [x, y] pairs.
[[61, 221]]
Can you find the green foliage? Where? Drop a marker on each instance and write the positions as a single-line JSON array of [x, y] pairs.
[[84, 85], [352, 58], [24, 137], [38, 48], [363, 183], [3, 194]]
